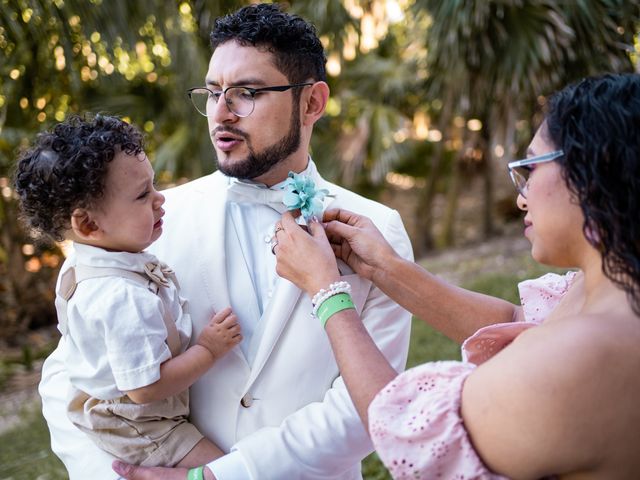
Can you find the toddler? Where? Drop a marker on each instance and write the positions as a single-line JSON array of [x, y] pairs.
[[126, 328]]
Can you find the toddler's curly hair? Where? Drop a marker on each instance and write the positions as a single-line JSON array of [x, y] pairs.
[[66, 168]]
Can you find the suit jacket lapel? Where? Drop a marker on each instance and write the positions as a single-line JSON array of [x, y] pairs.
[[327, 201], [212, 236], [279, 310], [273, 321], [241, 285], [211, 231]]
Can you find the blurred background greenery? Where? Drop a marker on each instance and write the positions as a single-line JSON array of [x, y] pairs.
[[430, 99]]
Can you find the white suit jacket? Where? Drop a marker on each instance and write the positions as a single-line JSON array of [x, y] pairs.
[[289, 413]]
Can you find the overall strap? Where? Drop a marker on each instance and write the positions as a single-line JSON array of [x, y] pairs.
[[74, 275]]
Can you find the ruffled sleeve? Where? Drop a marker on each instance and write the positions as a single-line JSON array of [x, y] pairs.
[[540, 296], [416, 427]]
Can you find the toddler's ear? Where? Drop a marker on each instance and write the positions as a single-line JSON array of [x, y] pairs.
[[83, 225]]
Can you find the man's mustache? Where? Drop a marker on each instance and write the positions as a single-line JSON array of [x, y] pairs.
[[229, 129]]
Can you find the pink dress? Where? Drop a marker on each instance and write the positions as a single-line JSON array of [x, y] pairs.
[[415, 421]]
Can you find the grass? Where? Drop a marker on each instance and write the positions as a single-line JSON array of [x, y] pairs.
[[25, 453]]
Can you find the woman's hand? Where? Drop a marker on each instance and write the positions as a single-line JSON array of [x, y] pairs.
[[134, 472], [304, 258], [357, 241]]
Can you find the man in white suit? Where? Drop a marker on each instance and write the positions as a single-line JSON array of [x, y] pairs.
[[276, 402]]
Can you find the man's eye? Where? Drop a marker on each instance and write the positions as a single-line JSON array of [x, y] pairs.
[[143, 195]]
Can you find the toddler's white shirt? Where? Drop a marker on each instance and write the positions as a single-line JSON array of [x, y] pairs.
[[116, 333]]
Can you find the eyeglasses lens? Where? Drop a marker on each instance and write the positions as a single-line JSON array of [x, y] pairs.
[[520, 177], [240, 101], [199, 98]]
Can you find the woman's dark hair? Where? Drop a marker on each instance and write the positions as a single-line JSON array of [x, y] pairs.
[[596, 122], [298, 52], [66, 169]]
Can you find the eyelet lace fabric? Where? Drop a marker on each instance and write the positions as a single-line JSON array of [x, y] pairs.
[[415, 421]]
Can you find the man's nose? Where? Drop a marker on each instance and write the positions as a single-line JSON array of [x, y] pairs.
[[221, 112]]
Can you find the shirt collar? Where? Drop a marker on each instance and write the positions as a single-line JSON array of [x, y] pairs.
[[99, 257]]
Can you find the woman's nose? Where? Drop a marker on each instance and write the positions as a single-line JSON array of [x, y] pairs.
[[521, 202]]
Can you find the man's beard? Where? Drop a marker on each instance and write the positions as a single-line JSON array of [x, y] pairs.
[[259, 163]]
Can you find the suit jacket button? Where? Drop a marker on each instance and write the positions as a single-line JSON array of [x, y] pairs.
[[246, 401]]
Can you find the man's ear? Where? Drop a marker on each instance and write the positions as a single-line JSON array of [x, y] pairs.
[[84, 225], [315, 103]]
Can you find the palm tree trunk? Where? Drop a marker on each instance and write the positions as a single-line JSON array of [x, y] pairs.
[[453, 194], [424, 211], [488, 225]]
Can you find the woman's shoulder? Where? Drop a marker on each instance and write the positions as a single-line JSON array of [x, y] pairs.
[[568, 384]]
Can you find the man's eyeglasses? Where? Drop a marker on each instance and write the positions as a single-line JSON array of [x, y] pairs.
[[240, 100], [519, 170]]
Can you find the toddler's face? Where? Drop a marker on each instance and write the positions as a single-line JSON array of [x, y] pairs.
[[129, 216]]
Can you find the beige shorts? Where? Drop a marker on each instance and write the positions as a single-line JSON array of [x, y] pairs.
[[151, 434]]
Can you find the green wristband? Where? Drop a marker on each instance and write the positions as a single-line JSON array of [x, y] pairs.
[[196, 474], [332, 305]]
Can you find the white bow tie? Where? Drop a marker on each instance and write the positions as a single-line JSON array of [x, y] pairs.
[[240, 192]]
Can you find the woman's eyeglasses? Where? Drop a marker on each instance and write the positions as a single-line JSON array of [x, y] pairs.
[[519, 170]]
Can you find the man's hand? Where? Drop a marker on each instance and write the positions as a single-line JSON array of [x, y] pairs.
[[134, 472]]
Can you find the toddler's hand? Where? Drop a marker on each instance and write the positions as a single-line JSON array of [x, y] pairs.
[[221, 334]]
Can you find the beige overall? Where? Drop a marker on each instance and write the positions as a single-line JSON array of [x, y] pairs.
[[151, 434]]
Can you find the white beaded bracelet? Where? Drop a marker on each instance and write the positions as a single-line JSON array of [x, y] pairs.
[[334, 289]]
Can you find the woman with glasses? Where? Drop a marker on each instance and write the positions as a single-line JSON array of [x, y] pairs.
[[546, 389]]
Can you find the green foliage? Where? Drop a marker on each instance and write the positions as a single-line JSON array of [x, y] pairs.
[[374, 469], [129, 59], [25, 451]]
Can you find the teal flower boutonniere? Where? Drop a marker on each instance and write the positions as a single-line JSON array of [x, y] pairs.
[[300, 193]]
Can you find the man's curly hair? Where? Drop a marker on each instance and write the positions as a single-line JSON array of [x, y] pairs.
[[66, 168], [294, 43], [596, 122]]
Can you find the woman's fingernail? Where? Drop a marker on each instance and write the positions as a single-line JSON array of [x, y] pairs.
[[314, 219], [118, 467]]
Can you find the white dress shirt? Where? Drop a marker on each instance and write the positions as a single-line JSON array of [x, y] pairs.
[[251, 223]]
